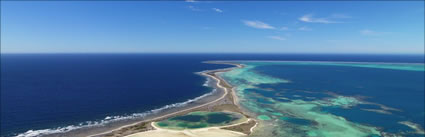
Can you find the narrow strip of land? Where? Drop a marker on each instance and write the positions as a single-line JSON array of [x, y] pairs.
[[226, 102]]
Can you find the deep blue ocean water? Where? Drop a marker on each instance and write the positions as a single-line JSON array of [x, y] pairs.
[[40, 91]]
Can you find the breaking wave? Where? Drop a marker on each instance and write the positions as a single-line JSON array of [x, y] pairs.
[[207, 82]]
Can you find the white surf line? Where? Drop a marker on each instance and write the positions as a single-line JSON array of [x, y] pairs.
[[312, 61], [252, 128], [170, 114]]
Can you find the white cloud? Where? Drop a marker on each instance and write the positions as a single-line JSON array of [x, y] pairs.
[[305, 29], [192, 1], [309, 18], [217, 10], [193, 8], [276, 37], [257, 24]]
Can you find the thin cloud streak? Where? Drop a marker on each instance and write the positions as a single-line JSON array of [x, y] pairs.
[[193, 8], [191, 1], [217, 10], [310, 19], [277, 38], [257, 24]]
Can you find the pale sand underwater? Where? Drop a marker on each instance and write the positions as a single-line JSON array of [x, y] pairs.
[[210, 132], [202, 132]]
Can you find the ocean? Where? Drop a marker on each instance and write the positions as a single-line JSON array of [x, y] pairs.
[[47, 92]]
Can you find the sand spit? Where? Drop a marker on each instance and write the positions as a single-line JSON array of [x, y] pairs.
[[226, 102]]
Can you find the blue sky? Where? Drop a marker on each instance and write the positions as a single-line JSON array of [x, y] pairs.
[[218, 26]]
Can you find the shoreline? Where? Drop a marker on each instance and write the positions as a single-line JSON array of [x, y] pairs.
[[315, 61], [227, 101], [105, 125], [222, 97]]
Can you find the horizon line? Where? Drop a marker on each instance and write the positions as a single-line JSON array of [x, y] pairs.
[[423, 54]]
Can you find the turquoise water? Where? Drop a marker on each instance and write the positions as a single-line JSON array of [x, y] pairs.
[[333, 98], [200, 119]]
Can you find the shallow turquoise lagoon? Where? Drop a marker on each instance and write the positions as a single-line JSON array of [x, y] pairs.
[[333, 98], [200, 119]]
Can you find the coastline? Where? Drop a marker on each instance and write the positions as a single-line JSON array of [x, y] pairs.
[[221, 98], [223, 93], [224, 99], [226, 102], [107, 125]]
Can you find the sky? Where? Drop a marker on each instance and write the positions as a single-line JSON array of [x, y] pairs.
[[382, 27]]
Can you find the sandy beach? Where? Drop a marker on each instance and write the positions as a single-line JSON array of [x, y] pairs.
[[203, 132]]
